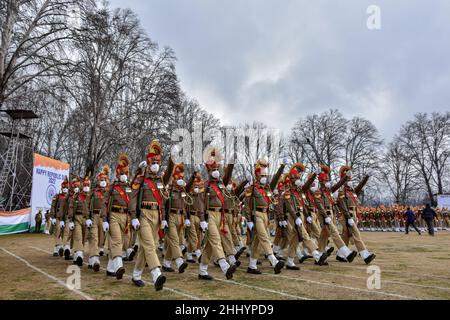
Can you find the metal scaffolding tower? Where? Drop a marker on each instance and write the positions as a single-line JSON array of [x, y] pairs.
[[16, 169]]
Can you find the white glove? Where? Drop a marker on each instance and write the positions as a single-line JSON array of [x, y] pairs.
[[250, 225], [164, 224], [351, 222], [62, 224], [187, 223], [54, 221], [71, 225], [135, 223], [309, 219], [298, 222], [88, 223], [143, 165], [328, 220], [285, 224], [281, 224], [204, 225], [105, 226]]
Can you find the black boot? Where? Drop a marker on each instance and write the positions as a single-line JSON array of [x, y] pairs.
[[330, 251], [302, 259], [67, 254], [206, 277], [352, 256], [96, 267], [160, 282], [168, 269], [253, 271], [138, 283], [369, 259], [182, 267], [61, 252], [119, 273], [240, 252], [340, 259], [79, 261], [292, 268], [323, 259], [110, 274], [230, 271], [278, 267]]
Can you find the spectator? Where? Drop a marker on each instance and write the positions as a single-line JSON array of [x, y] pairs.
[[429, 215], [410, 219], [38, 220]]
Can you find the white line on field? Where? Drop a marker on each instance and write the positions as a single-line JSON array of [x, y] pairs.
[[342, 287], [181, 293], [281, 293], [85, 296], [393, 271], [383, 281]]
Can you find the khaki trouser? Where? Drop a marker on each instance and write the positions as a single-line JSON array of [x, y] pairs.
[[57, 233], [79, 221], [327, 231], [117, 225], [238, 226], [232, 225], [67, 236], [293, 238], [194, 234], [352, 232], [281, 239], [226, 237], [148, 240], [95, 234], [261, 236], [313, 228], [213, 245], [173, 236]]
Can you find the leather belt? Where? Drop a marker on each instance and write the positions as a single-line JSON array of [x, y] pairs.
[[150, 207], [96, 211], [119, 209], [215, 209], [178, 211], [262, 209], [229, 211]]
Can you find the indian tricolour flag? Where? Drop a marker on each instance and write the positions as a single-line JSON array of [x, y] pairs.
[[15, 221]]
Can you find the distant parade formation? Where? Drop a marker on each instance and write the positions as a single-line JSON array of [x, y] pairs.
[[167, 222]]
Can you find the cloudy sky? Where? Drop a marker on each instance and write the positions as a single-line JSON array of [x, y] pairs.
[[275, 61]]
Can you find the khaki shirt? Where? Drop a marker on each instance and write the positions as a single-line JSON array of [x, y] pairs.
[[59, 206], [79, 205]]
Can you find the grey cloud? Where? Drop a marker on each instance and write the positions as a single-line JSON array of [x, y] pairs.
[[275, 61]]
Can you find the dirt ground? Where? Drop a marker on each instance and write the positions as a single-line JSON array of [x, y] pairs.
[[412, 267]]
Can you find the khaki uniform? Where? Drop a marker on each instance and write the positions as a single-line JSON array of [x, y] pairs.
[[95, 233], [324, 203], [347, 203], [176, 218], [151, 214], [60, 206], [115, 209], [78, 212], [196, 213]]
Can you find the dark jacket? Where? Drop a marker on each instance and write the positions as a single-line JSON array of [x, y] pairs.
[[410, 216], [428, 214]]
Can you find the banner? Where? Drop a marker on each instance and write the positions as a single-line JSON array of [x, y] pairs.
[[48, 174], [443, 201]]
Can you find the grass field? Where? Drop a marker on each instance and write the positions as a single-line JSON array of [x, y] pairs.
[[412, 267]]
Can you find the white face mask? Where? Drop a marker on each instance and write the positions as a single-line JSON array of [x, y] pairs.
[[263, 180], [65, 190], [314, 189], [229, 187], [215, 174], [154, 168], [350, 184], [196, 190], [103, 184], [86, 189], [328, 185], [181, 183], [298, 182], [124, 178], [76, 190]]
